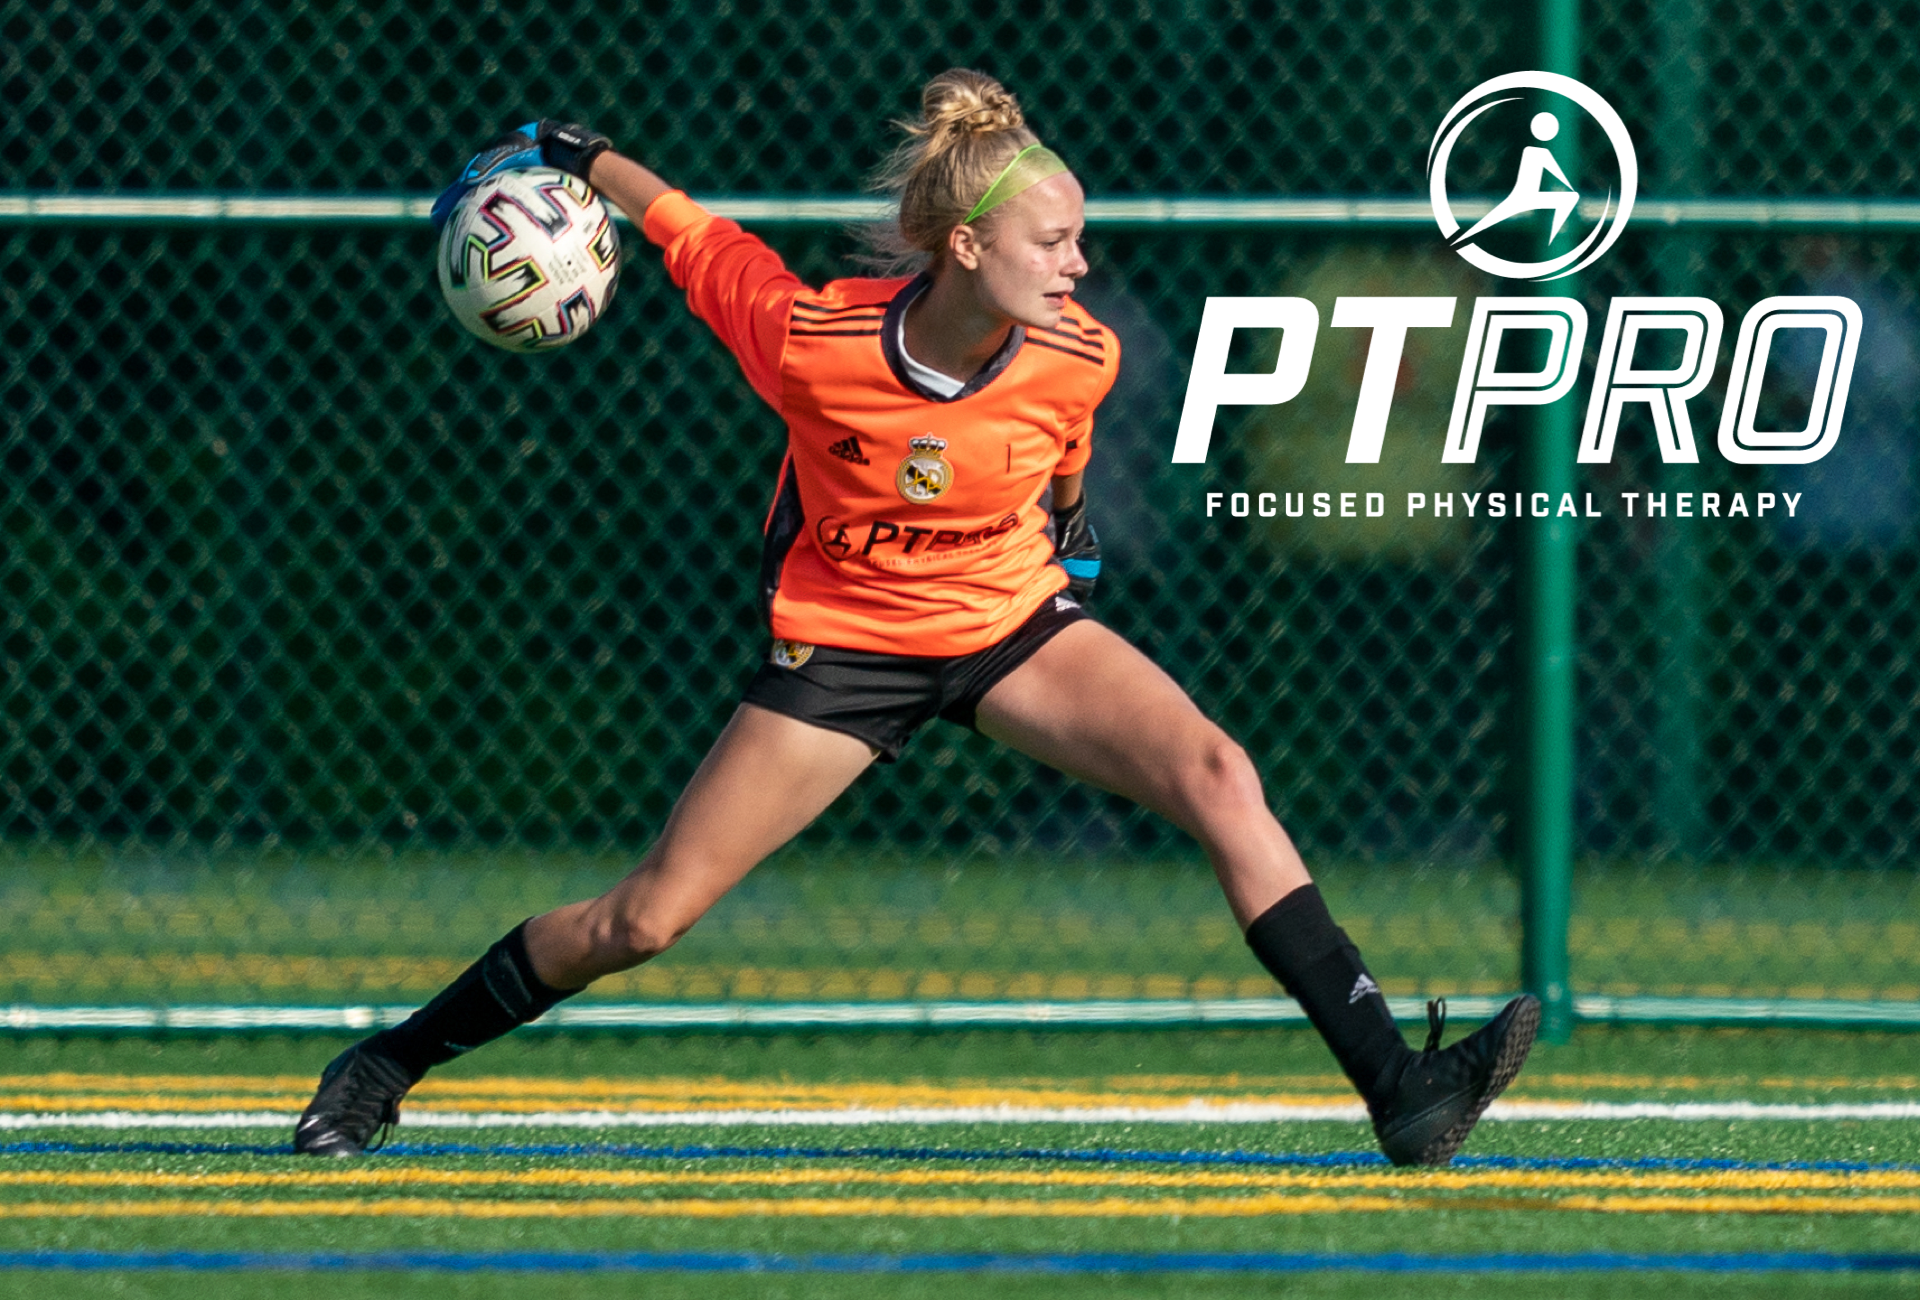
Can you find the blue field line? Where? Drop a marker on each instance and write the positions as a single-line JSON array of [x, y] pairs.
[[701, 1151], [582, 1261]]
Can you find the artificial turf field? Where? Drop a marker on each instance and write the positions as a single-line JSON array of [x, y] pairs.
[[731, 1151]]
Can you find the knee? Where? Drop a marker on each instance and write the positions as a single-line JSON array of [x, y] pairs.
[[628, 935], [1216, 777]]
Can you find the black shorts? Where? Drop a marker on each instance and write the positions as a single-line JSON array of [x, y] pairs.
[[883, 699]]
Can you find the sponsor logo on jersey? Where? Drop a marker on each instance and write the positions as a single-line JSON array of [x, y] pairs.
[[1361, 987], [831, 533], [925, 474], [848, 449], [879, 539], [790, 654]]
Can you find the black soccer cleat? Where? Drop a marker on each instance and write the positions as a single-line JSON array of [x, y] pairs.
[[1441, 1095], [357, 1105]]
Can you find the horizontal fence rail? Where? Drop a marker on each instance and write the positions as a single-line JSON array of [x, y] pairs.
[[1143, 212], [813, 1017]]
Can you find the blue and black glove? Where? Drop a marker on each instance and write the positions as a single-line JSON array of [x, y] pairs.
[[1077, 549], [567, 146]]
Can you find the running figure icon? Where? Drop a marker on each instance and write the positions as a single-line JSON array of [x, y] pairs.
[[1536, 162]]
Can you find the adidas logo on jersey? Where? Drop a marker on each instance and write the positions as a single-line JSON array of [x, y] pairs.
[[848, 448], [1361, 987]]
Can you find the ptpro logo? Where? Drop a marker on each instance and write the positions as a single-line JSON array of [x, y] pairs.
[[1581, 225], [1482, 107]]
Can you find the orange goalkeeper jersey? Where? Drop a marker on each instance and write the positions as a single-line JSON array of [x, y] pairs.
[[902, 522]]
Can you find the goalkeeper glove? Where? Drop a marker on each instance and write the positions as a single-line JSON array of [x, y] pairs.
[[567, 146], [1077, 549]]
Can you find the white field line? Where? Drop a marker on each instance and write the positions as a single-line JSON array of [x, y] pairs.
[[1196, 1112]]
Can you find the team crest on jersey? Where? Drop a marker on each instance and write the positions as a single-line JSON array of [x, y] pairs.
[[925, 474], [790, 654]]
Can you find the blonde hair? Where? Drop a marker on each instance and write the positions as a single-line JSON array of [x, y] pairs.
[[970, 128]]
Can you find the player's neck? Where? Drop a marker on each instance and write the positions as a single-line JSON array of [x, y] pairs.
[[950, 330]]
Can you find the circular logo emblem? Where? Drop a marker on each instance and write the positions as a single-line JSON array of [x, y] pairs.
[[1541, 185], [790, 654], [831, 533], [925, 474]]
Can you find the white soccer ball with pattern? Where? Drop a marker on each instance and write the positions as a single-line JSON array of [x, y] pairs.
[[529, 259]]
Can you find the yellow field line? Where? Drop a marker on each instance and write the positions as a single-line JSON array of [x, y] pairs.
[[880, 1097], [291, 1105], [33, 1103], [673, 1086], [1741, 1204], [165, 1093], [1644, 1083], [676, 1087], [1418, 1180], [757, 1207], [941, 1207]]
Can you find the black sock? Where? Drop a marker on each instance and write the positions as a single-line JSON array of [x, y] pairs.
[[1314, 961], [497, 993]]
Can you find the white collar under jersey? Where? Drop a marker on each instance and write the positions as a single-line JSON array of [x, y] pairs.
[[924, 375]]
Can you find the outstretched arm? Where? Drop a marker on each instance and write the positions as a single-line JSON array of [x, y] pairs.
[[631, 186]]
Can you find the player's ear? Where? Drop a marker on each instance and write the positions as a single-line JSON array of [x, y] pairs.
[[964, 245]]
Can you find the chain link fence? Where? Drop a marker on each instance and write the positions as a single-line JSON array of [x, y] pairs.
[[334, 643]]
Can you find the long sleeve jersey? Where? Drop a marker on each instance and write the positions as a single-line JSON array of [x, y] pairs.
[[902, 522]]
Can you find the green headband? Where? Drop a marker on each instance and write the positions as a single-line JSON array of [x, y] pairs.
[[1040, 163]]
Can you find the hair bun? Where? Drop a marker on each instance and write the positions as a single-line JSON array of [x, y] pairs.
[[962, 102], [970, 129]]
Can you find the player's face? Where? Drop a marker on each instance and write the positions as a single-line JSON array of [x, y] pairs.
[[1031, 258]]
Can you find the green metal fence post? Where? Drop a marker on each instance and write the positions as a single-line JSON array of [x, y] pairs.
[[1680, 567], [1547, 643]]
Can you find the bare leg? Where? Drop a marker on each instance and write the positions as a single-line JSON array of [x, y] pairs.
[[1090, 704], [1094, 707], [764, 780]]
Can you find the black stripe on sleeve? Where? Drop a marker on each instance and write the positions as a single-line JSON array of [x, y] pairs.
[[816, 312]]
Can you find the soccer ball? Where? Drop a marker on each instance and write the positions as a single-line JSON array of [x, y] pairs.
[[529, 259]]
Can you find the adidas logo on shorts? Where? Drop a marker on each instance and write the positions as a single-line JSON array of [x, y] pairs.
[[848, 448]]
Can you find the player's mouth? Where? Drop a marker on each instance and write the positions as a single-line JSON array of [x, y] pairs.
[[1055, 301]]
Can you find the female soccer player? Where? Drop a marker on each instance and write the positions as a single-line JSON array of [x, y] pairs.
[[927, 538]]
